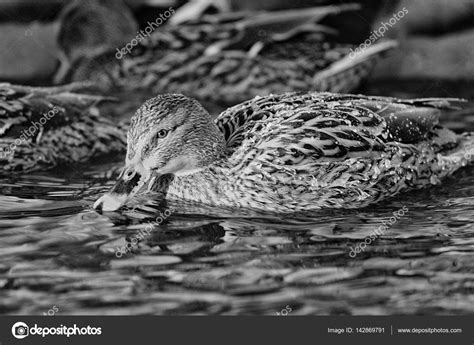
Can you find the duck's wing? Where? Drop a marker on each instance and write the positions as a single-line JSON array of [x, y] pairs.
[[239, 31], [304, 128], [278, 26]]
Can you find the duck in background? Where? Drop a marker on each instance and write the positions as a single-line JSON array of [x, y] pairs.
[[288, 153], [43, 127], [225, 58], [109, 24]]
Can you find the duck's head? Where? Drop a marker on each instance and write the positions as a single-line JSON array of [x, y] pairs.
[[169, 134], [89, 28]]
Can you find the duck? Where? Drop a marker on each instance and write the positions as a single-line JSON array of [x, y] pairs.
[[287, 153], [108, 24], [224, 58], [43, 127]]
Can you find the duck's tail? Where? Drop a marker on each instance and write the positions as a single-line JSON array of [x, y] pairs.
[[346, 74], [421, 165]]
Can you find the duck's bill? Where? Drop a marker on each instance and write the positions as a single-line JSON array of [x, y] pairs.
[[129, 183]]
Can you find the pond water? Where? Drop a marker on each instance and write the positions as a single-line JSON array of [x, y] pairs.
[[56, 251]]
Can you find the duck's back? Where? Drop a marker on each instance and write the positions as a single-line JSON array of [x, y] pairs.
[[335, 126]]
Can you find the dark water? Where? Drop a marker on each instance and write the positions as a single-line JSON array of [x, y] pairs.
[[56, 251]]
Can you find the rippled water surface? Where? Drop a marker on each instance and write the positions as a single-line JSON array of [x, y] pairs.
[[56, 251]]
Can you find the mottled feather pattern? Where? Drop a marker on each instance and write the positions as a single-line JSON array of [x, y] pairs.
[[75, 133], [304, 151]]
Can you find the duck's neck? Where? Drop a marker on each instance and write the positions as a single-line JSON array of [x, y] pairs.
[[208, 147]]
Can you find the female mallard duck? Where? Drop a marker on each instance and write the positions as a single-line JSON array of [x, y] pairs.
[[289, 152], [44, 127], [225, 59]]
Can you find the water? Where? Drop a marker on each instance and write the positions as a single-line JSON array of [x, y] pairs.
[[56, 251]]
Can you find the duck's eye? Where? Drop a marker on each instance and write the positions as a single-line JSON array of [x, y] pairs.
[[162, 133]]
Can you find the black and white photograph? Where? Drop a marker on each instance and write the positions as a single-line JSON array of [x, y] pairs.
[[217, 158]]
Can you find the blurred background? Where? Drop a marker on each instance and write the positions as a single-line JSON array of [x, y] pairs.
[[436, 37]]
